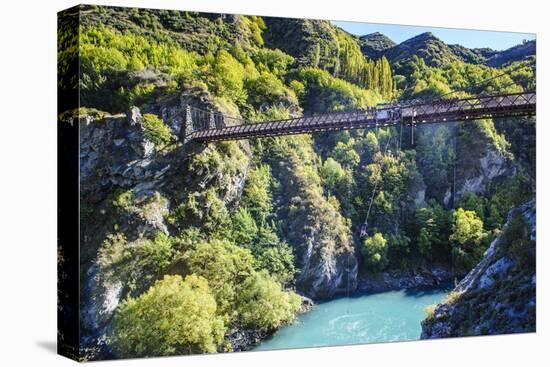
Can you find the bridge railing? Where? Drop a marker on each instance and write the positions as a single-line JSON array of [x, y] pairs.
[[507, 103]]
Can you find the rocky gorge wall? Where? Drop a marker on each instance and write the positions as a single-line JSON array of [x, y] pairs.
[[129, 186], [499, 295]]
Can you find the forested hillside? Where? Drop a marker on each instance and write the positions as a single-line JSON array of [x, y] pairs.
[[228, 237]]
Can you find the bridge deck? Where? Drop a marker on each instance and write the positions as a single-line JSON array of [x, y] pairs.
[[508, 105]]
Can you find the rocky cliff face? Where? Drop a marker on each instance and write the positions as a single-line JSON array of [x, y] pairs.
[[329, 266], [490, 167], [482, 162], [129, 186], [499, 295]]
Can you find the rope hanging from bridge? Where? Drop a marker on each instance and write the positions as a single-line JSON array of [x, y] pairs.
[[363, 229]]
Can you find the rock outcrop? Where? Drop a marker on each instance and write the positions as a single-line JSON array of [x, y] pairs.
[[499, 295], [397, 280], [491, 167], [329, 266]]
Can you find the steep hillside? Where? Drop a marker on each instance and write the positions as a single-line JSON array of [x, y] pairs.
[[311, 42], [516, 53], [473, 55]]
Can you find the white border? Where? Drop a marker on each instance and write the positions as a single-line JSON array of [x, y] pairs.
[[28, 181]]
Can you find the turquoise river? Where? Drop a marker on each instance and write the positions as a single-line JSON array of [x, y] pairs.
[[381, 317]]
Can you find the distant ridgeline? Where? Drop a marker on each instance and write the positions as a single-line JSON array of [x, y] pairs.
[[273, 216]]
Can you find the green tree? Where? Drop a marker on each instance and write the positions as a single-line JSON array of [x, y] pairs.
[[263, 305], [226, 77], [256, 194], [334, 176], [225, 266], [138, 263], [279, 262], [272, 61], [243, 229], [432, 225], [345, 154], [174, 316], [467, 228], [467, 237], [375, 252], [424, 242], [475, 203], [268, 89], [156, 130]]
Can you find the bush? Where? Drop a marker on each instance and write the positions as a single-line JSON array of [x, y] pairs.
[[346, 154], [335, 178], [375, 252], [432, 226], [467, 228], [156, 130], [471, 201], [173, 317], [256, 194], [136, 264], [278, 260], [122, 200], [324, 93], [273, 61], [226, 77], [467, 237], [263, 305], [268, 89], [243, 228], [224, 265]]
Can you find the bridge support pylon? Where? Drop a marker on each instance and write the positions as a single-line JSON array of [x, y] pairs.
[[188, 125]]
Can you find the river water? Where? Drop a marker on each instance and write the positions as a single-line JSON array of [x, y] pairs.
[[382, 317]]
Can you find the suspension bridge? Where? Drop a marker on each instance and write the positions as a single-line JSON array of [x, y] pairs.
[[205, 126]]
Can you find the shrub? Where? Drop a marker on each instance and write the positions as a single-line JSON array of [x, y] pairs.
[[263, 305], [467, 228], [256, 194], [243, 228], [375, 252], [175, 316], [346, 154], [156, 130], [278, 260], [516, 238], [224, 265], [268, 89], [273, 61], [452, 297], [122, 200], [429, 310], [226, 77], [467, 236], [135, 263], [325, 93]]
